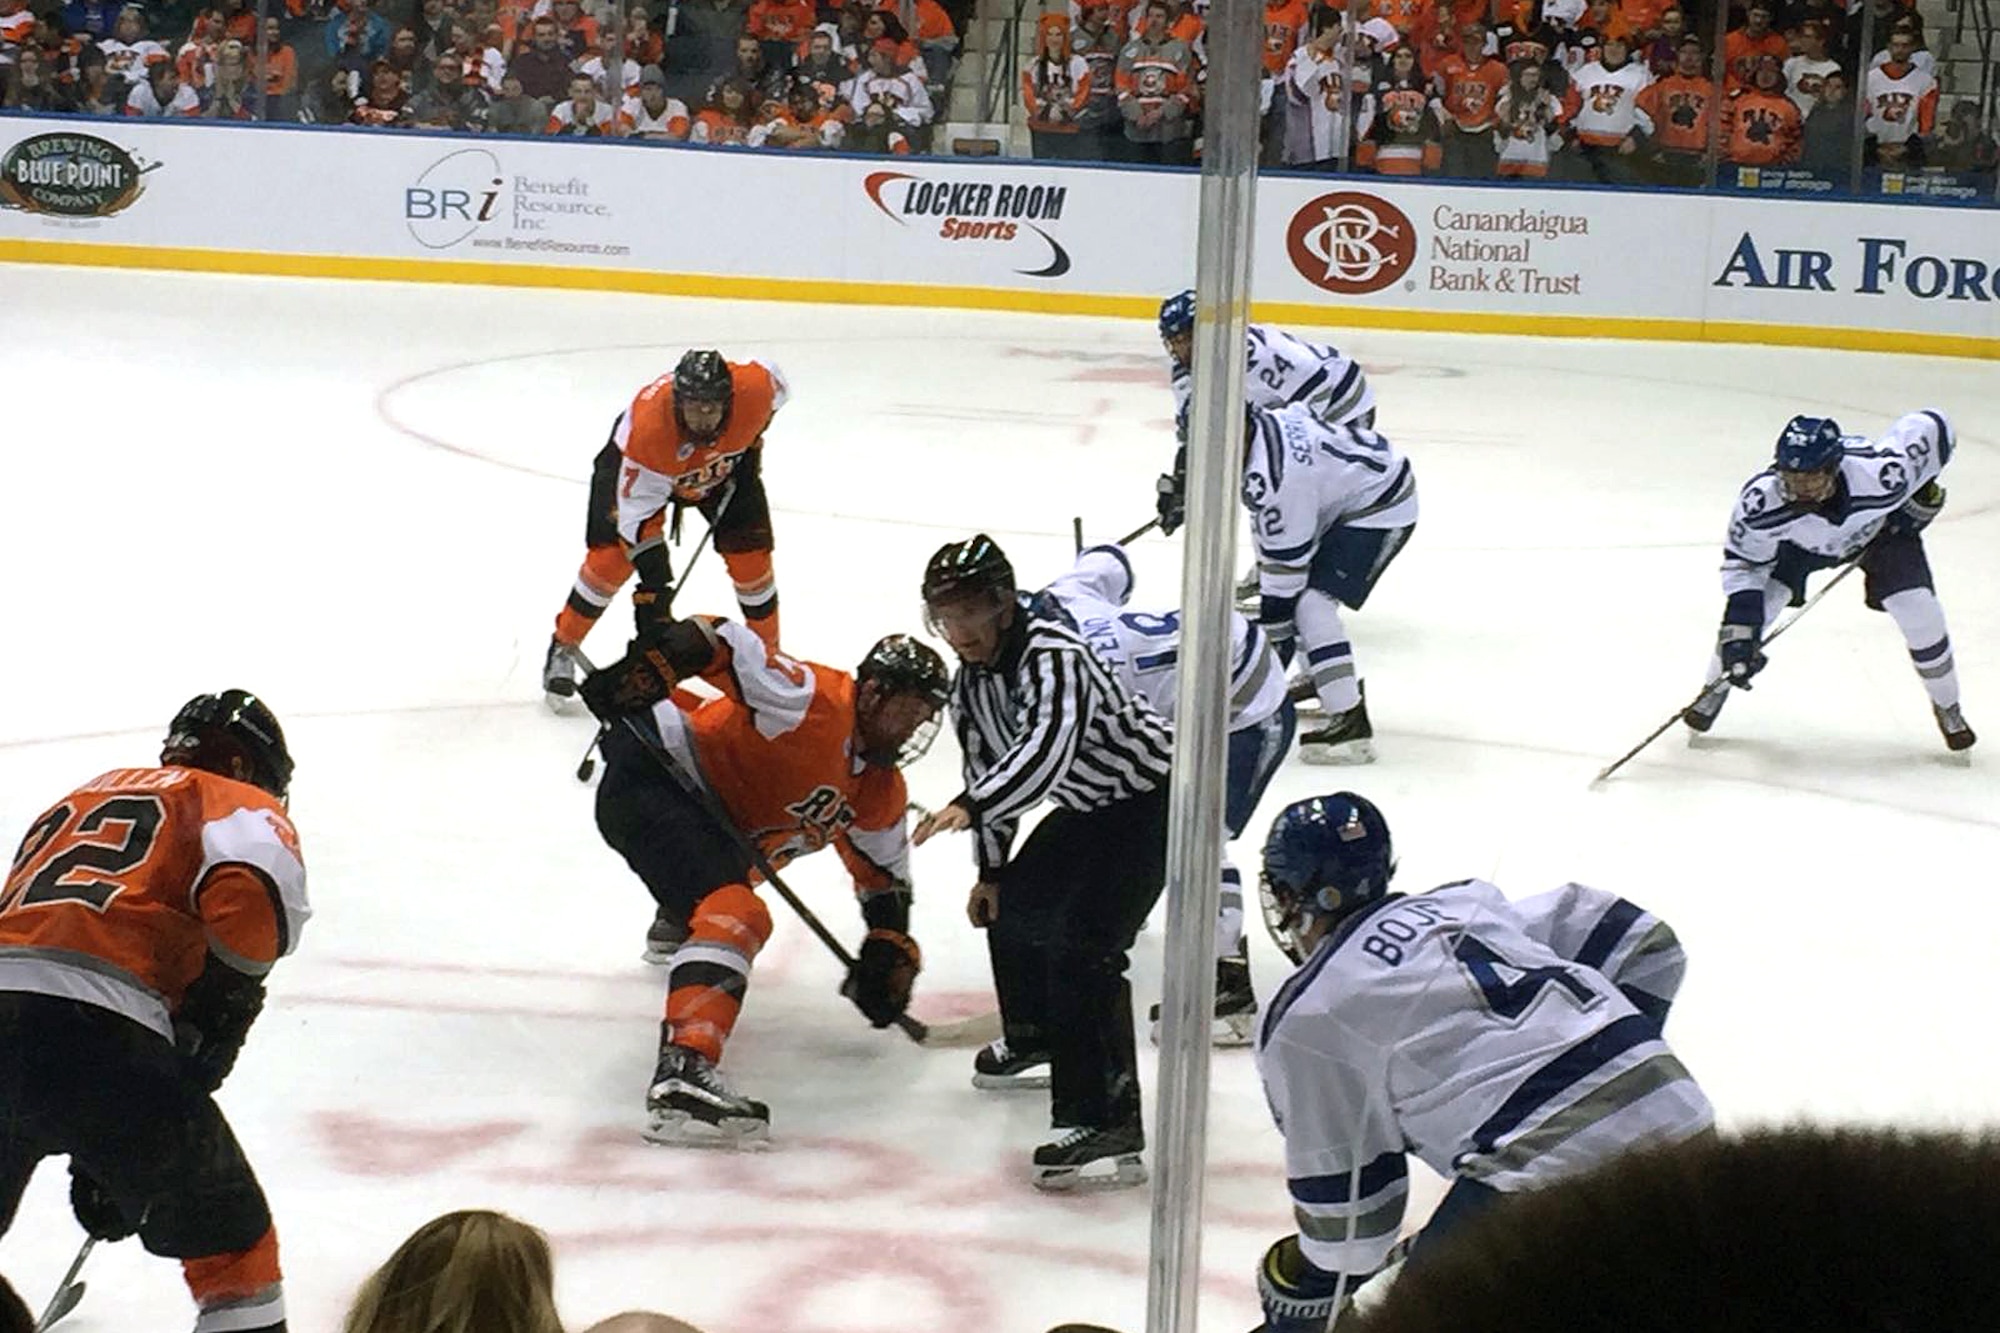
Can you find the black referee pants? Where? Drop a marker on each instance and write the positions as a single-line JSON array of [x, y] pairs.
[[1071, 902]]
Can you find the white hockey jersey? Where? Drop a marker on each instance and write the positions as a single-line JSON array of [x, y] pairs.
[[1302, 477], [1283, 369], [1876, 479], [1143, 648], [1445, 1025]]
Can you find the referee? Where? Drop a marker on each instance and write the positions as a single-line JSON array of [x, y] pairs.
[[1039, 716]]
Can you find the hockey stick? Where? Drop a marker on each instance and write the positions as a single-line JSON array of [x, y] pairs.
[[67, 1294], [1769, 639], [712, 807], [588, 764], [1076, 534]]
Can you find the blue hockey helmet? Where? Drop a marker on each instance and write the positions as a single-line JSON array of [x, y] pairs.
[[1324, 858], [1808, 444], [1177, 315]]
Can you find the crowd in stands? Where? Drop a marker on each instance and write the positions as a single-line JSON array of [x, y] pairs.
[[1607, 91], [866, 75], [1610, 91]]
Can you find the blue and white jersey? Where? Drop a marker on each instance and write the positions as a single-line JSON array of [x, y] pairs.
[[1876, 479], [1301, 477], [1142, 648], [1442, 1025], [1283, 370]]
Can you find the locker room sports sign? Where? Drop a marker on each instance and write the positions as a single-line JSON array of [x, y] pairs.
[[993, 212]]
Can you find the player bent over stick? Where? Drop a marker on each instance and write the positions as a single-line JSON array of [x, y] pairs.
[[694, 438], [1143, 648], [141, 915], [797, 756], [1507, 1045], [1828, 498]]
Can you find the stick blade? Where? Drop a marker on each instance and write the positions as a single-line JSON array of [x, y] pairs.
[[61, 1304], [977, 1030]]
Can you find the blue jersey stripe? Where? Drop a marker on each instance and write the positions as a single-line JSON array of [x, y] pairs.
[[1944, 438], [1597, 946], [1348, 1186], [1578, 1062]]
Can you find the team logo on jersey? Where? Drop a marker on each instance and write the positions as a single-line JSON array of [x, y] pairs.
[[823, 813], [70, 176], [975, 210], [1351, 243]]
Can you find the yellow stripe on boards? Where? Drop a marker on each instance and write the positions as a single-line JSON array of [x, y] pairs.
[[192, 260]]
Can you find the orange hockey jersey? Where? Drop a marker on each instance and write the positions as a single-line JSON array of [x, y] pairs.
[[120, 889], [661, 465], [777, 749]]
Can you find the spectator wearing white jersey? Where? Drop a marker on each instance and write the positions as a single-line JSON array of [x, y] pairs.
[[652, 114], [1605, 113]]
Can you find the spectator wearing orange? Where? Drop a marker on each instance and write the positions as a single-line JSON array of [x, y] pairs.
[[1184, 24], [936, 38], [1525, 33], [197, 54], [779, 26], [728, 117], [1470, 84], [1602, 19], [1055, 89], [1531, 123], [1742, 49], [652, 114], [801, 122], [475, 1270], [281, 73], [883, 26], [1645, 17], [1761, 126], [1154, 80], [643, 42], [899, 91], [1902, 103], [1284, 29], [1603, 107], [1403, 140], [1681, 107], [1406, 16]]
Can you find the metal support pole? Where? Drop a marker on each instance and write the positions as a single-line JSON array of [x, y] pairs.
[[1230, 140], [1856, 150]]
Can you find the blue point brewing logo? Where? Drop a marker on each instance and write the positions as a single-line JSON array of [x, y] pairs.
[[70, 175], [454, 197]]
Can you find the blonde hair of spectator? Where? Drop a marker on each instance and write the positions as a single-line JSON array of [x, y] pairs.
[[472, 1271]]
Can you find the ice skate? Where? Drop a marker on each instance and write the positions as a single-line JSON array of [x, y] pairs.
[[1092, 1159], [559, 679], [1957, 735], [1345, 739], [1700, 715], [1235, 1020], [663, 937], [689, 1104], [997, 1067]]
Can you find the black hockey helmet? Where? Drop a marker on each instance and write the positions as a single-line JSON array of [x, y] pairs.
[[1325, 857], [968, 568], [212, 731], [902, 666], [703, 377]]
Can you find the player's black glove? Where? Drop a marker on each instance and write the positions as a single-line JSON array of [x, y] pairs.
[[884, 975], [652, 611], [1741, 652], [96, 1212], [1171, 502], [214, 1018], [632, 684], [1917, 511]]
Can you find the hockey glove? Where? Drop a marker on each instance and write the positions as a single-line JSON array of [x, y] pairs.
[[96, 1211], [1917, 511], [214, 1018], [632, 684], [884, 975], [652, 611], [1298, 1295], [1741, 652], [1171, 502]]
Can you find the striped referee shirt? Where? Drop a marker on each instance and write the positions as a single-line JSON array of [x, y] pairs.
[[1050, 720]]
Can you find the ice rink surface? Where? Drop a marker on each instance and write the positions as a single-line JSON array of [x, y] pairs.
[[366, 503]]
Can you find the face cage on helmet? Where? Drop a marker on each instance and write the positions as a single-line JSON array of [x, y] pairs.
[[1282, 923], [919, 743], [1794, 497]]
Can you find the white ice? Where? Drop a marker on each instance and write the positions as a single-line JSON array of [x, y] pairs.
[[365, 502]]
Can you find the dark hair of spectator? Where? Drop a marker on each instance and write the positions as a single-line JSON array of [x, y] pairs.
[[746, 110], [1800, 1228], [14, 1314]]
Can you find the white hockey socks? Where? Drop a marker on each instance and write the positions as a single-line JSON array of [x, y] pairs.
[[1229, 919], [1329, 657], [1920, 617]]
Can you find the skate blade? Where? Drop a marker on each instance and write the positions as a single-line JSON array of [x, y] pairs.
[[658, 957], [1341, 754], [1113, 1173], [1012, 1082], [678, 1129], [1223, 1033]]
